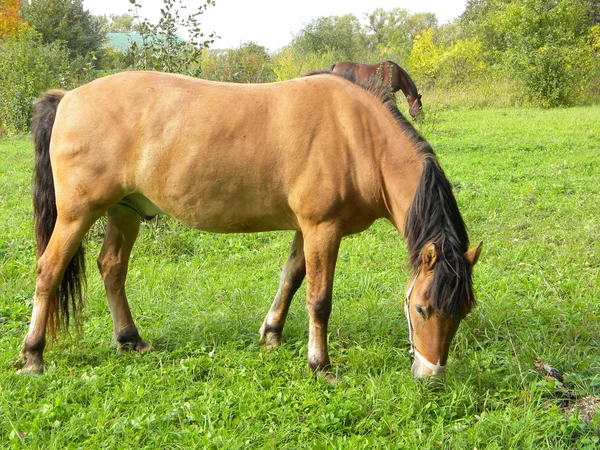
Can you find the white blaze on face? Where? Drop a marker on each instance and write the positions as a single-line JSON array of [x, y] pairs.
[[420, 364]]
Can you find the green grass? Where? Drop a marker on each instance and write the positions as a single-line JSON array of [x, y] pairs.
[[527, 182]]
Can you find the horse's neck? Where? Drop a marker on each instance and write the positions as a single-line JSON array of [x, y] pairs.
[[401, 169], [406, 84]]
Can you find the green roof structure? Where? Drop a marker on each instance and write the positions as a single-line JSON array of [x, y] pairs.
[[122, 41]]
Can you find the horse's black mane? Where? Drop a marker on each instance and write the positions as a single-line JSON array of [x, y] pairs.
[[433, 217]]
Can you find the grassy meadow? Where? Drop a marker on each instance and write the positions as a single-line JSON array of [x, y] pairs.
[[528, 185]]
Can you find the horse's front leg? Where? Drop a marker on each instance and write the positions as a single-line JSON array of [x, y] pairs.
[[122, 228], [321, 246], [292, 275]]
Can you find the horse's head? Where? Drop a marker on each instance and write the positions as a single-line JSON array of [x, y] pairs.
[[431, 330], [415, 107]]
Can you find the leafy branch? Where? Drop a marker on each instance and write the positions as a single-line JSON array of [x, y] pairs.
[[162, 48]]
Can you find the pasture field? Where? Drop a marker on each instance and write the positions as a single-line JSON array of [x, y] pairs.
[[528, 185]]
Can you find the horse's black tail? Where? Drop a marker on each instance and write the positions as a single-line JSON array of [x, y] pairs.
[[45, 212]]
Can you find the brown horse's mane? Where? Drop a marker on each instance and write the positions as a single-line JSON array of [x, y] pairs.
[[405, 74], [433, 217]]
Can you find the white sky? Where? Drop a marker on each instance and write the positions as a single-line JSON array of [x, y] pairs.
[[272, 23]]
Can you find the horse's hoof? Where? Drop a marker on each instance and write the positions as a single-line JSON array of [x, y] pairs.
[[272, 340], [140, 346], [269, 339], [327, 376], [323, 372], [32, 363], [31, 369], [143, 347]]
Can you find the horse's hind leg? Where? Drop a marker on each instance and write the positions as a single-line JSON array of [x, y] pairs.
[[122, 228], [66, 238], [292, 275]]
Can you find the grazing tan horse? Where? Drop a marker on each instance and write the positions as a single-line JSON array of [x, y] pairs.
[[391, 74], [318, 154]]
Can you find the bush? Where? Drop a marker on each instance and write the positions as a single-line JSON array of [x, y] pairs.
[[27, 68], [250, 63], [444, 66], [550, 75]]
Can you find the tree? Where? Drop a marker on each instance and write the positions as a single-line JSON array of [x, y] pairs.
[[115, 23], [11, 22], [66, 22], [163, 49], [394, 31], [339, 37], [425, 58], [445, 64], [543, 44], [250, 63], [27, 68]]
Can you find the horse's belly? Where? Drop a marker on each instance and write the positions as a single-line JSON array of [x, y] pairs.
[[217, 216], [233, 222]]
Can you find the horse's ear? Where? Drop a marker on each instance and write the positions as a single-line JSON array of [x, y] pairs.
[[430, 255], [473, 255]]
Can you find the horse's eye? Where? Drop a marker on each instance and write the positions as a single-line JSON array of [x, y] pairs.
[[421, 311]]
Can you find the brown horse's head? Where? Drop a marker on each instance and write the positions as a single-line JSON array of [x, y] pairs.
[[432, 329], [415, 108]]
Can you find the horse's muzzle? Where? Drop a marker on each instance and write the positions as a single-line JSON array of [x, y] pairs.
[[422, 368]]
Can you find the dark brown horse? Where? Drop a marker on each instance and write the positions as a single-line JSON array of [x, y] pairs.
[[391, 74], [318, 155]]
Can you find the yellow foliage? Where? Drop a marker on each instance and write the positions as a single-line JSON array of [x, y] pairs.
[[290, 63], [595, 38], [11, 22], [447, 64], [424, 59]]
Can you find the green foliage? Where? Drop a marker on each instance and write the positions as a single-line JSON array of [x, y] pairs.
[[541, 43], [162, 48], [66, 22], [549, 74], [592, 86], [393, 32], [445, 65], [526, 181], [28, 67], [327, 40], [249, 63], [119, 23], [112, 59], [292, 62], [287, 65], [339, 37]]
